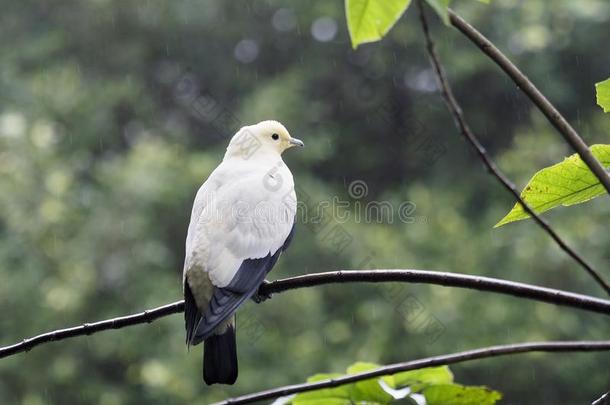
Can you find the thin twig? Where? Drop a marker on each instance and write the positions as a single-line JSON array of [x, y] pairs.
[[460, 122], [486, 352], [545, 106], [521, 290]]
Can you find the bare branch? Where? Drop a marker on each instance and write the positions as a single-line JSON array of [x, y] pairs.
[[486, 352], [90, 328], [460, 122], [521, 290], [545, 106]]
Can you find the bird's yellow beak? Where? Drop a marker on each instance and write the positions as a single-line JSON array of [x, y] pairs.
[[296, 142]]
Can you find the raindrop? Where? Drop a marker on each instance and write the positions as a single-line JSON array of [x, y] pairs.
[[324, 29], [246, 51]]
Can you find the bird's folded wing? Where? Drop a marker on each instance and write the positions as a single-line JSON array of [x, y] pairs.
[[236, 241], [225, 300]]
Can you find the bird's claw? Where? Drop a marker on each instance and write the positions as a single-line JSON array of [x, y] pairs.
[[259, 297]]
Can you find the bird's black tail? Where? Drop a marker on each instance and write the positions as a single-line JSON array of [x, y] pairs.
[[220, 358]]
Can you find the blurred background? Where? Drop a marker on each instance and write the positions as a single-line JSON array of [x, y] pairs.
[[112, 113]]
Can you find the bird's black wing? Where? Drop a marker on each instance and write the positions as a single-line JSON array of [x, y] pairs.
[[225, 300], [191, 313]]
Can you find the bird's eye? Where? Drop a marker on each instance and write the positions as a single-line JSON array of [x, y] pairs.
[[275, 137]]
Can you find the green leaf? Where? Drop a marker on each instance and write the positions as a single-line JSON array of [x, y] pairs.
[[368, 390], [435, 383], [322, 400], [455, 394], [441, 6], [418, 379], [334, 396], [361, 367], [370, 20], [567, 183], [602, 90]]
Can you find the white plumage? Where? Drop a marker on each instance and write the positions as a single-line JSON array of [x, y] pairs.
[[236, 217], [242, 218]]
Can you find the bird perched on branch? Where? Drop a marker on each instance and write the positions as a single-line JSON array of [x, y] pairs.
[[242, 220]]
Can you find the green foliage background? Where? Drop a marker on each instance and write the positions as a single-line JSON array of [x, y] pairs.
[[102, 150]]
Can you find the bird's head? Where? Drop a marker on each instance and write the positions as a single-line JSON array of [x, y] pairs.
[[266, 137]]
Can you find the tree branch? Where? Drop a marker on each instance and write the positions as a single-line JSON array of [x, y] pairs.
[[521, 290], [545, 106], [486, 352], [460, 122], [90, 328]]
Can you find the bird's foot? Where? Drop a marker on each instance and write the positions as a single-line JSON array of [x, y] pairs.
[[259, 297]]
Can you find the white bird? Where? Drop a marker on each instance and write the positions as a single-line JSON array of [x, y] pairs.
[[242, 219]]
